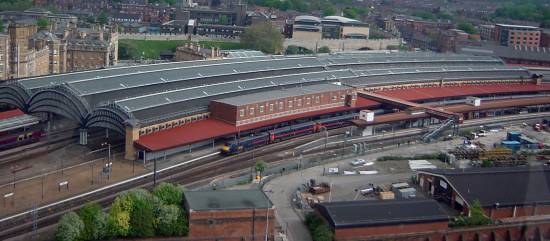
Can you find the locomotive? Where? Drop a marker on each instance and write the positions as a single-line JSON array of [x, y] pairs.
[[285, 133]]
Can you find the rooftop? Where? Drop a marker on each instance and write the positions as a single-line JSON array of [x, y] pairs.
[[282, 93], [499, 186], [226, 200], [351, 214]]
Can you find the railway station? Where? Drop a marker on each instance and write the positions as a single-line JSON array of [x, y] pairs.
[[169, 108]]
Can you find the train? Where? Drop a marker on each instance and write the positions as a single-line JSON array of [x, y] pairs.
[[284, 133], [11, 140]]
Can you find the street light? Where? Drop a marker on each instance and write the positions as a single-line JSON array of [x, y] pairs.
[[344, 144], [108, 150]]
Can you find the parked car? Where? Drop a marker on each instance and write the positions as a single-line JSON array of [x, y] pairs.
[[358, 162]]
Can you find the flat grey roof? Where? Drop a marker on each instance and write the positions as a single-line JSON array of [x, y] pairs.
[[282, 93], [368, 213], [226, 200]]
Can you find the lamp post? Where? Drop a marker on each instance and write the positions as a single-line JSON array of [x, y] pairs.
[[108, 150]]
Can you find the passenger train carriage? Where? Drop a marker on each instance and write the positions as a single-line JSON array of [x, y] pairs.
[[285, 133]]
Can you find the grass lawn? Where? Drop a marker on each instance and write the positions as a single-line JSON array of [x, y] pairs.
[[151, 49]]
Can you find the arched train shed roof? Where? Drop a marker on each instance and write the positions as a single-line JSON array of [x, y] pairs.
[[112, 98]]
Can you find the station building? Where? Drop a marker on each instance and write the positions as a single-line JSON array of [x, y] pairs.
[[169, 108]]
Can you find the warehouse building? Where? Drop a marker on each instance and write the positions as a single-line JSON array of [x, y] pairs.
[[357, 220], [230, 215], [502, 192]]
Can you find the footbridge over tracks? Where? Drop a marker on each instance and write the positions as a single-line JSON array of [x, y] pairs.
[[450, 119], [404, 104]]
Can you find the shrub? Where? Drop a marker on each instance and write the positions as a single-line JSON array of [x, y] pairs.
[[168, 193], [95, 222], [70, 227], [168, 220], [142, 217]]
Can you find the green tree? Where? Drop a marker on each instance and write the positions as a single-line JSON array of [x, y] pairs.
[[293, 50], [69, 228], [42, 23], [169, 193], [170, 2], [322, 233], [142, 215], [223, 20], [118, 223], [476, 218], [264, 37], [350, 13], [95, 222], [467, 27], [324, 49], [329, 10], [424, 15], [1, 25], [103, 18], [477, 215], [167, 221], [318, 229]]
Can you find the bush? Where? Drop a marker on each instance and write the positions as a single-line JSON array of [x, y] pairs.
[[167, 220], [70, 227], [319, 230], [95, 222], [118, 223], [264, 37], [168, 193], [476, 218], [324, 50], [142, 218]]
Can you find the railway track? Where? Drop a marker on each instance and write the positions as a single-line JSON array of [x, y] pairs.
[[205, 168], [198, 169], [57, 141]]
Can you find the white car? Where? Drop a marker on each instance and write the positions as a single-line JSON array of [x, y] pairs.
[[358, 162]]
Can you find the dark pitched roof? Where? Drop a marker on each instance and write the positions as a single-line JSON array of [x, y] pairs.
[[505, 186], [381, 212], [226, 200]]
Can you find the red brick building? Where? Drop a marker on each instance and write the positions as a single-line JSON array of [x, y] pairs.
[[251, 108], [516, 35], [357, 220], [502, 192], [229, 215]]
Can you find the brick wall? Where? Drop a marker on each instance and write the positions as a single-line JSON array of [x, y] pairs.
[[266, 110], [506, 232], [363, 232], [230, 225]]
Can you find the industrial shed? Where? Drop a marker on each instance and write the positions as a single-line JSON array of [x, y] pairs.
[[355, 220], [503, 192]]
